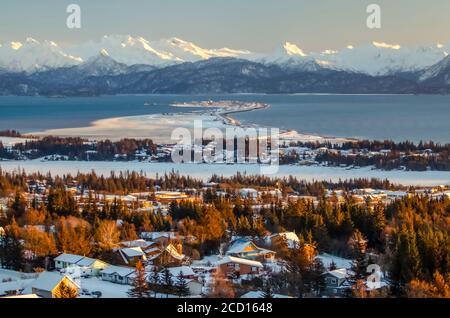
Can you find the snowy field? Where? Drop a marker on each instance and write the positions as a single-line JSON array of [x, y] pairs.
[[204, 171]]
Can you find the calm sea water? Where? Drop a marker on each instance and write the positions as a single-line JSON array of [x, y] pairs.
[[397, 117]]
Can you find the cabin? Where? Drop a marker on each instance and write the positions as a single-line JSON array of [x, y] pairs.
[[48, 283], [244, 248], [132, 255], [336, 283], [234, 266], [169, 256], [117, 274]]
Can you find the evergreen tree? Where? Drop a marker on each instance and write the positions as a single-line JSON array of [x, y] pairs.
[[11, 248], [155, 281], [267, 290], [181, 287], [360, 262], [167, 281], [140, 287]]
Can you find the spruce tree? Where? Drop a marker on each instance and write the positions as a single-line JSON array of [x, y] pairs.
[[181, 287], [360, 263], [267, 290], [140, 287], [155, 281], [167, 281]]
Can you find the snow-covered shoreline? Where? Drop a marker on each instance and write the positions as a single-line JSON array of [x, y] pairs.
[[159, 127], [205, 171]]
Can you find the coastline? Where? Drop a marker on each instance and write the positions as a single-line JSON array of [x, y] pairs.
[[159, 127], [205, 171]]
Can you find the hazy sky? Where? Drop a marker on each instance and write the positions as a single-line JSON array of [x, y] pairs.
[[258, 25]]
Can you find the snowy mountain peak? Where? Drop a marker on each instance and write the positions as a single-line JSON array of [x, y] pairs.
[[104, 52], [384, 45], [293, 50], [443, 67]]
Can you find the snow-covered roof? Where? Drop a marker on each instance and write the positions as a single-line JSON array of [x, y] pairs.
[[340, 273], [87, 261], [136, 243], [185, 270], [48, 281], [260, 294], [243, 261], [288, 236], [173, 252], [132, 251], [238, 246], [120, 270], [156, 235], [69, 258]]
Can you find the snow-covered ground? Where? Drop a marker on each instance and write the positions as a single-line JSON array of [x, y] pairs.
[[340, 262], [6, 274], [11, 141], [204, 171]]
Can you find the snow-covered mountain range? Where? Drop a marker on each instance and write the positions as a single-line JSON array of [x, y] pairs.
[[376, 59]]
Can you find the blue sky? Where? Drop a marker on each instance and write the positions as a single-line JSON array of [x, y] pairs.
[[258, 25]]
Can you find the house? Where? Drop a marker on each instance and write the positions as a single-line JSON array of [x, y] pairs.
[[87, 266], [132, 255], [91, 266], [169, 256], [117, 274], [244, 248], [47, 284], [66, 260], [234, 265], [336, 283]]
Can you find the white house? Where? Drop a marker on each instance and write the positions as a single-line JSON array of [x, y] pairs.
[[66, 260], [117, 274], [86, 266]]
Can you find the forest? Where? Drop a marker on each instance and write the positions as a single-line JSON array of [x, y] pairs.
[[409, 238]]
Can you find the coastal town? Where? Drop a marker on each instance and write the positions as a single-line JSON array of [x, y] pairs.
[[348, 154], [127, 235]]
